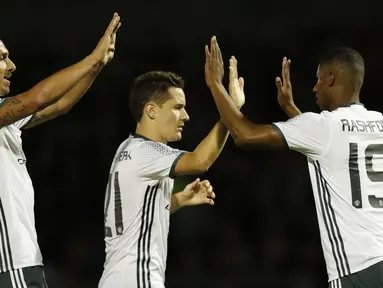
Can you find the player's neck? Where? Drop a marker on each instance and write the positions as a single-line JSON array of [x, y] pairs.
[[345, 100], [150, 133]]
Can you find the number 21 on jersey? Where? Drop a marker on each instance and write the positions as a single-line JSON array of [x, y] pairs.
[[118, 221]]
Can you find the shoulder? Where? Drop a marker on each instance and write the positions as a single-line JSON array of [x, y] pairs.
[[149, 148], [374, 113], [311, 118]]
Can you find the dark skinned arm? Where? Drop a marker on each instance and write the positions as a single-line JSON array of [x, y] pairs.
[[243, 131]]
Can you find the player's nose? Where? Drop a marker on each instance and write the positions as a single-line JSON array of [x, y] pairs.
[[11, 67], [315, 90], [185, 116]]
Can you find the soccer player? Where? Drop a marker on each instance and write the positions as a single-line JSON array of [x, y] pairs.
[[20, 256], [343, 144], [139, 197]]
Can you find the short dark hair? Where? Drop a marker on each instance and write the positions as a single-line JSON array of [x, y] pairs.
[[350, 59], [152, 86]]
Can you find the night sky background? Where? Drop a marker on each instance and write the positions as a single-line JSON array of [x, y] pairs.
[[263, 230]]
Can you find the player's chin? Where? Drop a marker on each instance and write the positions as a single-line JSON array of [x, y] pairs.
[[178, 136], [4, 91], [175, 137], [321, 106], [319, 103]]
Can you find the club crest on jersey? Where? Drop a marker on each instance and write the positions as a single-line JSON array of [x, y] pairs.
[[124, 155], [22, 161]]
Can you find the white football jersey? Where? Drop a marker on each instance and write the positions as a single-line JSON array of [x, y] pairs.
[[345, 157], [137, 211], [18, 239]]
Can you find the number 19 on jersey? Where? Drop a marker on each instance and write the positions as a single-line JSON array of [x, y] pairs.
[[364, 183]]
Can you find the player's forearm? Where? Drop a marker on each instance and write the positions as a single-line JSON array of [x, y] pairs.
[[210, 147], [45, 93], [54, 87], [291, 110], [233, 118], [76, 93], [176, 202], [243, 131]]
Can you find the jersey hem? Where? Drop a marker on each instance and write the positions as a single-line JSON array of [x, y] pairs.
[[363, 267], [22, 266]]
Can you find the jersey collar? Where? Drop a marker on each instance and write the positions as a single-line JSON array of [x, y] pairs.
[[349, 105], [135, 135]]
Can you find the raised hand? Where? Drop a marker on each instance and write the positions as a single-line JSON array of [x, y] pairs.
[[236, 85], [198, 192], [104, 52], [285, 91], [214, 70]]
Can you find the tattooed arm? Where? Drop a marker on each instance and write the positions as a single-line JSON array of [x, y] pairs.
[[13, 109], [48, 91], [72, 81], [63, 106]]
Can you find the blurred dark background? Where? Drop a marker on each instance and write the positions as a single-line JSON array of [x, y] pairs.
[[263, 230]]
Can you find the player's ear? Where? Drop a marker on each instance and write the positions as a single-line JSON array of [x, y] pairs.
[[150, 110], [331, 79]]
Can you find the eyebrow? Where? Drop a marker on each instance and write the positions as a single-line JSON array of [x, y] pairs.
[[3, 52]]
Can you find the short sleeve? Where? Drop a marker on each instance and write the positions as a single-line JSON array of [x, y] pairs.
[[158, 160], [22, 122], [307, 133]]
